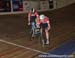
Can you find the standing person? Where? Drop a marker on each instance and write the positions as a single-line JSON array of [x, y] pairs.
[[44, 23], [32, 15]]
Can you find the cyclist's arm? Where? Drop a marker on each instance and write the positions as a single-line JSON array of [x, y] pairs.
[[49, 26], [29, 18], [38, 22], [37, 15]]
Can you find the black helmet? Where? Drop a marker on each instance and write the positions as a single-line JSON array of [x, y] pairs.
[[33, 10]]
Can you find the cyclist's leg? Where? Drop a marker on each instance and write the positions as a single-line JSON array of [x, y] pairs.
[[41, 30], [46, 33], [33, 28], [47, 36]]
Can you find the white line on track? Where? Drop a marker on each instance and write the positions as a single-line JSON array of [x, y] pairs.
[[7, 42]]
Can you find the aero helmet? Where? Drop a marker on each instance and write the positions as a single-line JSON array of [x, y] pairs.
[[32, 10]]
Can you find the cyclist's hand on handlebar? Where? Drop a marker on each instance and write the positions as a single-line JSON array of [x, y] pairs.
[[29, 23]]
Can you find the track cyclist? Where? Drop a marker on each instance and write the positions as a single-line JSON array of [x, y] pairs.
[[32, 15], [44, 23]]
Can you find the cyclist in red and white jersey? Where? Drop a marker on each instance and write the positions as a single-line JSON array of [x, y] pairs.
[[32, 15], [44, 23]]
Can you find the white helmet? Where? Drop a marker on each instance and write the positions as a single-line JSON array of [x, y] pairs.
[[42, 17]]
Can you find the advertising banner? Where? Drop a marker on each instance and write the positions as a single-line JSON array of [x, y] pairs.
[[51, 4], [44, 5], [5, 6], [17, 5], [27, 5], [35, 5]]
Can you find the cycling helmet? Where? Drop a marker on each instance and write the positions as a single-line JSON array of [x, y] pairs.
[[33, 10], [42, 17]]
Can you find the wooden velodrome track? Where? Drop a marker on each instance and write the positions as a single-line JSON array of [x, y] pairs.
[[13, 28]]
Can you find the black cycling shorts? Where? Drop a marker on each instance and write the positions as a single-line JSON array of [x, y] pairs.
[[44, 25]]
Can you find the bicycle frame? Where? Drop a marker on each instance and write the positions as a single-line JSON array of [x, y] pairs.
[[40, 35]]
